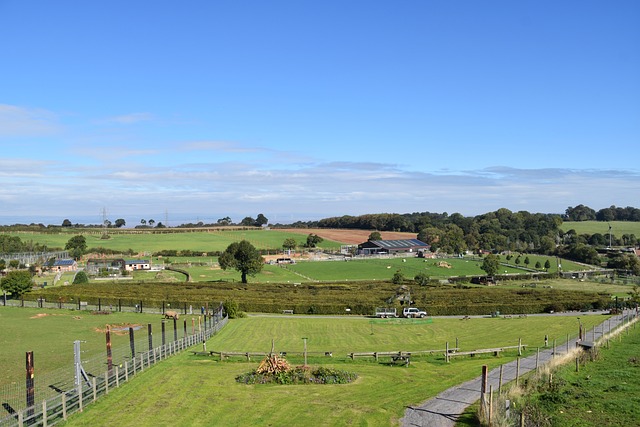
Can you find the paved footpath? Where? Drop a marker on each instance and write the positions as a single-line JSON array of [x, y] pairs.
[[444, 409]]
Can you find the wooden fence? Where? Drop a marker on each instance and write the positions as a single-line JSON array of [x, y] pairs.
[[54, 410]]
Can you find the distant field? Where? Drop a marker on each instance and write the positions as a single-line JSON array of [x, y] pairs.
[[618, 228], [201, 241]]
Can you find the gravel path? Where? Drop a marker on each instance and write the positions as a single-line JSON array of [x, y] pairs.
[[444, 409]]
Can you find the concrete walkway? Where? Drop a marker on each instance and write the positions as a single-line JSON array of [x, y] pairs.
[[444, 409]]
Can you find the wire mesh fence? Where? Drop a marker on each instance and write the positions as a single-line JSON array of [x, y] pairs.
[[48, 398]]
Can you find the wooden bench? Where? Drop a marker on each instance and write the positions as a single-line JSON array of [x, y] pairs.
[[287, 311]]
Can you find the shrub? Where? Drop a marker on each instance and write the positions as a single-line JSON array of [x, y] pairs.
[[81, 277], [276, 370]]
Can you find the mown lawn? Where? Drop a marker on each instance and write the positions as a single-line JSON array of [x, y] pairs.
[[200, 390]]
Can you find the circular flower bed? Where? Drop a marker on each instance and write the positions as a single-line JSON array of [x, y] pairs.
[[276, 370]]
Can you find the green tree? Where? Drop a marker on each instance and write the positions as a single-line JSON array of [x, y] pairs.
[[313, 240], [547, 265], [14, 263], [625, 262], [77, 245], [538, 266], [375, 235], [398, 278], [81, 277], [120, 223], [243, 257], [232, 308], [421, 279], [17, 283], [289, 243], [66, 223], [261, 220], [143, 221], [527, 261], [248, 221], [491, 264], [224, 221]]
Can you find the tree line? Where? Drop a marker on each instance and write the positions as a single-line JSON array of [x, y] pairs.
[[612, 213]]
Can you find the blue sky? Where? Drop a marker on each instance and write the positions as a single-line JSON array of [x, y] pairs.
[[301, 110]]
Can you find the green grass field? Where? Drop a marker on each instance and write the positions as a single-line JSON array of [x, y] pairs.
[[618, 228], [200, 241], [159, 396], [50, 335]]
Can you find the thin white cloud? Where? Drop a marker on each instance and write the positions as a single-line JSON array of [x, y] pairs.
[[224, 146], [320, 189], [20, 121], [127, 119]]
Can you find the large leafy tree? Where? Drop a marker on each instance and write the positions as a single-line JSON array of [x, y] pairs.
[[243, 257], [17, 283], [313, 240], [77, 245], [375, 235], [261, 220], [491, 264], [289, 243]]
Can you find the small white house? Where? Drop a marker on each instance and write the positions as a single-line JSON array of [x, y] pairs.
[[137, 264]]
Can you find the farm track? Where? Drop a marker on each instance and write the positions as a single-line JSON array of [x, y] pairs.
[[445, 409]]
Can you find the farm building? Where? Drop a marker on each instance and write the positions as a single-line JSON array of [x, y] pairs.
[[137, 264], [373, 247], [108, 265], [64, 265]]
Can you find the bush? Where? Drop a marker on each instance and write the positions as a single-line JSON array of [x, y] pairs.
[[81, 277]]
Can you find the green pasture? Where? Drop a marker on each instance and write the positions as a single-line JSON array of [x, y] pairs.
[[159, 396], [50, 335], [343, 335], [618, 228], [200, 241]]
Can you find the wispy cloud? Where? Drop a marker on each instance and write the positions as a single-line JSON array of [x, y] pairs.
[[131, 118], [20, 121], [224, 146]]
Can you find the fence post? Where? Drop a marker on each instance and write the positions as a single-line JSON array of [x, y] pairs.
[[517, 370], [126, 371], [490, 403], [44, 413], [64, 405], [163, 333], [132, 343], [446, 351], [175, 329], [30, 383], [483, 390], [106, 382], [117, 377], [500, 380], [109, 356], [519, 346], [150, 333], [80, 397], [95, 389]]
